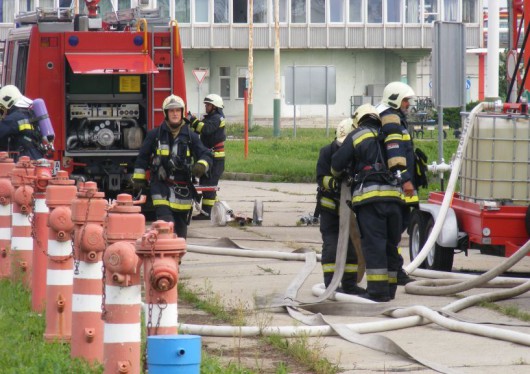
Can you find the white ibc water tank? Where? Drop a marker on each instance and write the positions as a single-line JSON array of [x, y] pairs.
[[496, 164]]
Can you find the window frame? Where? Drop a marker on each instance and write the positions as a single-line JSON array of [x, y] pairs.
[[223, 78]]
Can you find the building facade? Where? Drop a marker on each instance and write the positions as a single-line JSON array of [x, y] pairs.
[[368, 42]]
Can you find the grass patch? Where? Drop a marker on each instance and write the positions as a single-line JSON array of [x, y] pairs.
[[289, 159], [22, 347], [298, 348], [507, 310]]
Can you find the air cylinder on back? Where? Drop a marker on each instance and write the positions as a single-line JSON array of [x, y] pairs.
[[45, 125]]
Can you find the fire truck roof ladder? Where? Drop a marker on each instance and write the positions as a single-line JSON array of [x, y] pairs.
[[154, 50], [45, 15], [126, 16]]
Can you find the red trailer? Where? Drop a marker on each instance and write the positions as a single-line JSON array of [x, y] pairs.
[[491, 212], [103, 84]]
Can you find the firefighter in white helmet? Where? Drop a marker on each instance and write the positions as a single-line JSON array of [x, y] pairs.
[[174, 154], [376, 199], [393, 110], [18, 134], [212, 132], [328, 199]]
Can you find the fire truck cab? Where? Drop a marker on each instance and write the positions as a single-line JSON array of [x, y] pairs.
[[103, 82]]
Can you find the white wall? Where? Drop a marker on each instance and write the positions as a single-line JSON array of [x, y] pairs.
[[354, 70]]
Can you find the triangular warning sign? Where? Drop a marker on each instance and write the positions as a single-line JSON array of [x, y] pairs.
[[200, 75]]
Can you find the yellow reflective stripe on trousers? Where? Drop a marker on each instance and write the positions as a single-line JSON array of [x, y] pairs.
[[326, 202], [372, 194], [328, 268], [377, 277], [351, 268], [208, 202]]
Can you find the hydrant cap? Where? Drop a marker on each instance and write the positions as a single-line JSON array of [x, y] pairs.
[[125, 204]]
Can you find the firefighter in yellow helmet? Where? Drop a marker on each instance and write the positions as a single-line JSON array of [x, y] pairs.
[[328, 199], [212, 132], [376, 199], [393, 111], [174, 154]]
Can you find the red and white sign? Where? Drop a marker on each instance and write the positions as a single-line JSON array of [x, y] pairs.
[[200, 75]]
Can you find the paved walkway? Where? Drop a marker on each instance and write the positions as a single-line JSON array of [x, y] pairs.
[[238, 280]]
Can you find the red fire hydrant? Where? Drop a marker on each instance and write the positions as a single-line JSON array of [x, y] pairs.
[[161, 250], [59, 277], [88, 215], [22, 179], [122, 298], [6, 191], [39, 223]]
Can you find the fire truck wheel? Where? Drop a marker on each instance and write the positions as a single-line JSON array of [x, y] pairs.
[[440, 258]]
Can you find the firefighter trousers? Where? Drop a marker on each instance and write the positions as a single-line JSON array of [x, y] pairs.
[[329, 228], [380, 226], [211, 179]]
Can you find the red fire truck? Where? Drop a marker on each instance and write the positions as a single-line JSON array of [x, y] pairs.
[[103, 83]]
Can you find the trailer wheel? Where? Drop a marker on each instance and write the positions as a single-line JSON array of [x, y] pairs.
[[440, 258], [417, 234]]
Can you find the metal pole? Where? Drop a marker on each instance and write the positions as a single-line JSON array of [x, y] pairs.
[[277, 93], [294, 100], [250, 62], [198, 100], [327, 105]]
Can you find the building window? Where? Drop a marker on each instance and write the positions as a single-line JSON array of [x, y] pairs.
[[283, 10], [393, 10], [242, 74], [469, 11], [451, 10], [375, 11], [260, 11], [240, 11], [430, 11], [356, 11], [412, 11], [220, 11], [224, 82], [201, 11], [318, 11], [182, 11], [336, 11], [298, 12]]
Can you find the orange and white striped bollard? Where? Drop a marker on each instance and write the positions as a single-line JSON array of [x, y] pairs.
[[6, 191], [122, 298], [60, 272]]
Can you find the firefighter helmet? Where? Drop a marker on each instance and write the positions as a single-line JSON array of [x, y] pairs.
[[173, 102], [9, 95], [363, 113], [215, 100], [393, 94], [343, 129]]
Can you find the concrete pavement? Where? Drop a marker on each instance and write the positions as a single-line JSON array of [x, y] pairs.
[[238, 280]]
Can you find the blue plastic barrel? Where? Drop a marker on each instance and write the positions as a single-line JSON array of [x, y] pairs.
[[174, 354]]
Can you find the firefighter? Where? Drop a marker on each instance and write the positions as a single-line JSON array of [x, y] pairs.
[[376, 200], [17, 132], [212, 132], [393, 110], [328, 199], [174, 155]]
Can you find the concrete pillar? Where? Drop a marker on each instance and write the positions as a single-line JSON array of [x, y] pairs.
[[412, 75]]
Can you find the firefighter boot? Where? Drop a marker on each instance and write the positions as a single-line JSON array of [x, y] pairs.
[[403, 278], [349, 284]]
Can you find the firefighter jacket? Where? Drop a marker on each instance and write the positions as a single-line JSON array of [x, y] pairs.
[[212, 132], [400, 147], [23, 137], [170, 161], [328, 186], [362, 150]]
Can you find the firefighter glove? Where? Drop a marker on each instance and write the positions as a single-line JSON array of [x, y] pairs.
[[139, 184], [193, 121], [162, 174], [198, 170]]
